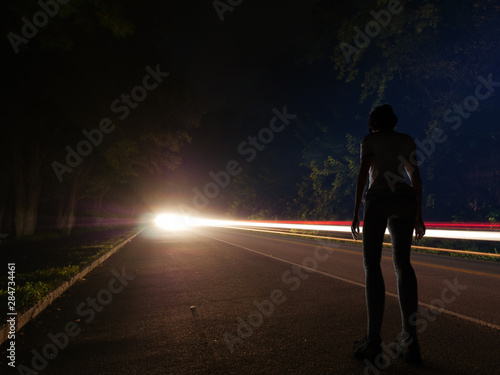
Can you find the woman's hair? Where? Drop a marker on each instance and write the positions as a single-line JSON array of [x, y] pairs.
[[382, 118]]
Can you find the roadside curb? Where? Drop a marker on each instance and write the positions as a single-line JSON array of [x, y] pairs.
[[30, 314]]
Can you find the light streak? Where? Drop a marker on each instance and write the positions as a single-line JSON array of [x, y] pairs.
[[359, 241], [179, 223], [463, 225], [427, 224], [480, 235]]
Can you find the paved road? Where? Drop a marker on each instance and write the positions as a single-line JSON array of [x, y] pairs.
[[206, 302], [478, 282]]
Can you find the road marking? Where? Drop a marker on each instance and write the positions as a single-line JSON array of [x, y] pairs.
[[456, 269], [431, 307], [285, 261]]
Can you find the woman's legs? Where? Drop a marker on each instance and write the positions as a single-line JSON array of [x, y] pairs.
[[374, 225], [398, 213], [401, 226]]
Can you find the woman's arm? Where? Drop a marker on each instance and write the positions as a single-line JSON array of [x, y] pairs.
[[360, 189]]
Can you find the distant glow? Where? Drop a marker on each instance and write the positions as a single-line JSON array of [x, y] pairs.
[[491, 235], [170, 222]]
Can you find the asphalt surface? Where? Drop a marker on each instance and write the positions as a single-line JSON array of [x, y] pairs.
[[221, 301]]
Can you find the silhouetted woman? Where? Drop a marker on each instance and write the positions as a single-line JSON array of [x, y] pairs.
[[389, 202]]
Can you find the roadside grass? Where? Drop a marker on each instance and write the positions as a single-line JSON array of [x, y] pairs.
[[34, 286], [46, 261]]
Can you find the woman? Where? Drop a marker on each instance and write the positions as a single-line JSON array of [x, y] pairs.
[[390, 202]]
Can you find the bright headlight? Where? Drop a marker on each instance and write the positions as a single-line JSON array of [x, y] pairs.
[[170, 222]]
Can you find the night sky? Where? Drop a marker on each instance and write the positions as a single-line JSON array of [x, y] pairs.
[[227, 71]]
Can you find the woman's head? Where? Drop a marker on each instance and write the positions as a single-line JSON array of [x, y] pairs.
[[382, 118]]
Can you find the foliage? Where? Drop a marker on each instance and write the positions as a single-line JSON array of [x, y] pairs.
[[443, 46], [258, 195], [84, 59], [327, 189], [427, 59]]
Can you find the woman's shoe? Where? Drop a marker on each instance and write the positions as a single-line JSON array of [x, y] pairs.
[[408, 349], [367, 348]]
